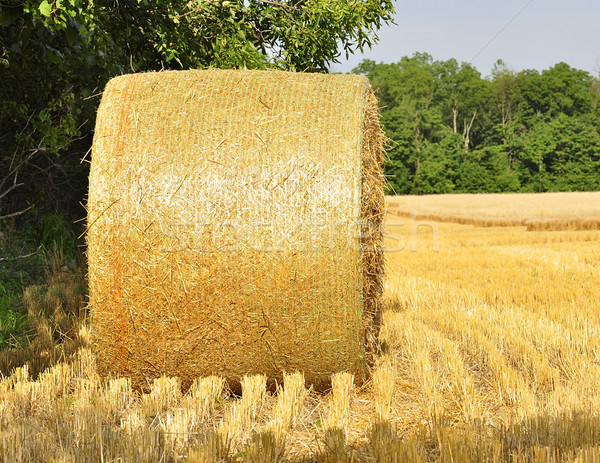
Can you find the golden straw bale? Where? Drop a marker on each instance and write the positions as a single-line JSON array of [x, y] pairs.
[[234, 226]]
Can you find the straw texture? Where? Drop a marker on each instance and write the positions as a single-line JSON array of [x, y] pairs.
[[234, 226]]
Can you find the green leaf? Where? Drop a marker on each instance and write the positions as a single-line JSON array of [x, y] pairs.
[[72, 36], [45, 8]]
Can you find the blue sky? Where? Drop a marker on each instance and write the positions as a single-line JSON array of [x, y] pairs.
[[525, 34]]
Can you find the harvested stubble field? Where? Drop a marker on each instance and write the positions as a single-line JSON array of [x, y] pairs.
[[536, 211], [491, 354]]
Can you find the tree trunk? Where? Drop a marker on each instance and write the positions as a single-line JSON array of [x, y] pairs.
[[454, 117], [467, 131]]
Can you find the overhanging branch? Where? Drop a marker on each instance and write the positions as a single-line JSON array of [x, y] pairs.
[[15, 214], [25, 256]]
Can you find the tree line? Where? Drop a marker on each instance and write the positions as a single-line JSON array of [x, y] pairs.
[[452, 131]]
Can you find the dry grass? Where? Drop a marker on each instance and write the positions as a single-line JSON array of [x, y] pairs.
[[491, 354], [55, 311], [545, 211]]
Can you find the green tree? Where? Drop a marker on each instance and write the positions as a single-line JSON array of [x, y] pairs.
[[439, 165], [461, 96], [57, 55], [565, 90], [453, 131], [406, 91], [487, 170]]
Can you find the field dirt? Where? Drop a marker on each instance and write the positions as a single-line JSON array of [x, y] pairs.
[[490, 353]]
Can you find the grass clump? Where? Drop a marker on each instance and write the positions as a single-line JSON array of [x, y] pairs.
[[42, 296]]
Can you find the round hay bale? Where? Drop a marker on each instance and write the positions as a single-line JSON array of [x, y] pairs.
[[234, 226]]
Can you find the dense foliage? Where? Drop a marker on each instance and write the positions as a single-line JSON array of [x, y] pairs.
[[451, 130], [57, 55]]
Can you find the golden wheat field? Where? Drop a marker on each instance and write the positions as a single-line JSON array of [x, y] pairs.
[[491, 353], [536, 211]]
